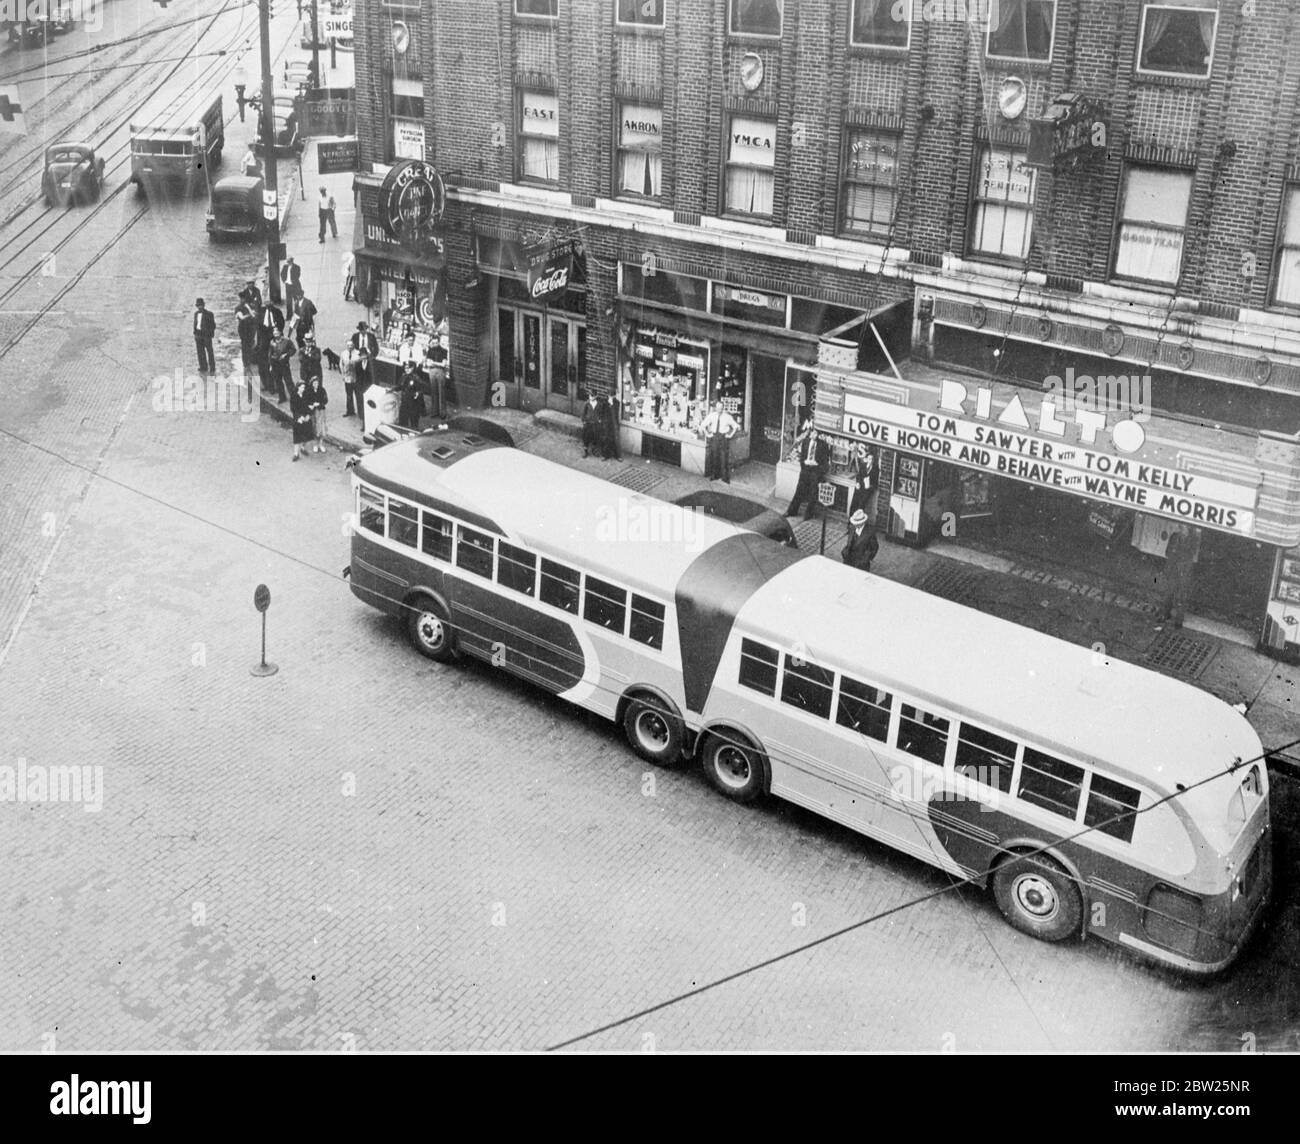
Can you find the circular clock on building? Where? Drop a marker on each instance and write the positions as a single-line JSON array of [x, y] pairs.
[[751, 71], [401, 36], [1012, 96]]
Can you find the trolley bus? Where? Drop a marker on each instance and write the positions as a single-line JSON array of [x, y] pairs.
[[1090, 796], [176, 140]]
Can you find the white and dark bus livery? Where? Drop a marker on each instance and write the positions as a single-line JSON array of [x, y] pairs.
[[1093, 797], [176, 141]]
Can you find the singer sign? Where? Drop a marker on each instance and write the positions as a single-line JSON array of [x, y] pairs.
[[549, 271]]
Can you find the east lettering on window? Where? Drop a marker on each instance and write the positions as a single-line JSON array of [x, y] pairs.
[[1022, 29], [756, 17], [539, 137], [881, 23], [1177, 40], [644, 13]]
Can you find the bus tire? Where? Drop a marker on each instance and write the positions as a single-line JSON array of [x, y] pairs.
[[1038, 897], [734, 765], [429, 630], [655, 732]]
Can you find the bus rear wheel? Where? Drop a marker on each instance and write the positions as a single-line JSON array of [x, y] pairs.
[[429, 630], [734, 766], [1038, 897], [654, 732]]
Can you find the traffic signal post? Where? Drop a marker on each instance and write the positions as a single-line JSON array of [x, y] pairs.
[[270, 186]]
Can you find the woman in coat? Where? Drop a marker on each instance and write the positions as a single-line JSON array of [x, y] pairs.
[[300, 408], [319, 399], [863, 472]]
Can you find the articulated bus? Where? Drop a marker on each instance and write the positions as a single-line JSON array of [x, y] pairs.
[[177, 140], [1092, 797]]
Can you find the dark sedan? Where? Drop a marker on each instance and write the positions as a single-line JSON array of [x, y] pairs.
[[73, 174], [742, 511]]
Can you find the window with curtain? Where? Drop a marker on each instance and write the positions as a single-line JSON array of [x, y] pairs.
[[539, 137], [751, 165], [1286, 292], [1004, 204], [639, 145], [1021, 29], [870, 181], [406, 113], [535, 7], [756, 17], [881, 23], [1153, 217], [1177, 41], [642, 12]]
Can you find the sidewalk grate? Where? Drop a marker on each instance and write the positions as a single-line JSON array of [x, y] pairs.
[[636, 478], [951, 582], [1180, 655], [808, 535]]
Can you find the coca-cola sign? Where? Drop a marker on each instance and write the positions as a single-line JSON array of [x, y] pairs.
[[549, 271]]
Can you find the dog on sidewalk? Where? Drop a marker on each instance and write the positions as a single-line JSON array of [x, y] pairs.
[[331, 360]]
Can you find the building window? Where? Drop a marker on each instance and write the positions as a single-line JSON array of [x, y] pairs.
[[643, 13], [639, 144], [539, 137], [751, 165], [544, 8], [881, 23], [406, 113], [1176, 40], [1004, 204], [756, 18], [870, 181], [1153, 218], [1287, 290], [1021, 29]]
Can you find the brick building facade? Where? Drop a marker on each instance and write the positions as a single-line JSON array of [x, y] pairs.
[[832, 206]]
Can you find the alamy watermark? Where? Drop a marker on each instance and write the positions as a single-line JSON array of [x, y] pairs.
[[1128, 393], [210, 393], [37, 783], [88, 13], [638, 519]]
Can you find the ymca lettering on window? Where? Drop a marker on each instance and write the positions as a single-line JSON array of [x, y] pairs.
[[751, 165]]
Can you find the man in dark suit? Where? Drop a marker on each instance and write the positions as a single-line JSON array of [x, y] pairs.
[[364, 339], [205, 328], [291, 276], [251, 294], [306, 313], [814, 459], [590, 415], [862, 545]]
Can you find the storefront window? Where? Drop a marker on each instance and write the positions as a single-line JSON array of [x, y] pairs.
[[1004, 204], [1177, 40], [751, 165], [1153, 217], [666, 386], [639, 162], [539, 137], [747, 305], [1022, 29], [663, 287], [881, 23], [870, 181]]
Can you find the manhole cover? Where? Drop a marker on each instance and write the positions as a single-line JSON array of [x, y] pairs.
[[636, 478], [1180, 655], [951, 581]]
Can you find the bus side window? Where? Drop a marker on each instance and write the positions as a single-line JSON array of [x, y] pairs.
[[985, 757], [371, 511], [807, 686], [474, 552], [923, 734], [437, 536], [1111, 808], [647, 624], [516, 569], [1051, 783], [403, 522], [864, 709], [560, 586], [605, 604], [758, 666]]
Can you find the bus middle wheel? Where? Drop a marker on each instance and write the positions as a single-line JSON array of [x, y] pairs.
[[1038, 897], [654, 732], [733, 765], [429, 630]]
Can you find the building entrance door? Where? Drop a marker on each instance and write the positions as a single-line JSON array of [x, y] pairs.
[[566, 365]]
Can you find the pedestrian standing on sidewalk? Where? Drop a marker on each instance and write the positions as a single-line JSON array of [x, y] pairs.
[[205, 328], [709, 427], [281, 355], [246, 323], [814, 456], [863, 472], [249, 165], [1180, 556], [861, 546], [252, 295], [306, 314], [351, 360], [309, 363], [364, 339], [319, 399], [727, 429], [291, 277], [590, 424], [412, 399], [325, 209], [349, 276], [300, 409]]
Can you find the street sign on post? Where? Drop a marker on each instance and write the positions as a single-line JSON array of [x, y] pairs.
[[825, 498], [262, 602]]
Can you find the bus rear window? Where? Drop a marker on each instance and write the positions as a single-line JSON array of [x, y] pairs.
[[560, 586], [807, 686], [647, 624], [864, 708], [370, 510], [758, 666], [474, 552], [985, 757], [403, 522], [516, 569], [923, 734], [437, 536], [1051, 783], [1111, 808], [605, 604]]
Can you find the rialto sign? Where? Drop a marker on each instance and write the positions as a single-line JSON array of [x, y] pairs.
[[1051, 452]]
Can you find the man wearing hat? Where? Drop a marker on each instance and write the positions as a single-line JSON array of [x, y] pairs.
[[862, 545], [205, 328], [364, 339], [309, 368]]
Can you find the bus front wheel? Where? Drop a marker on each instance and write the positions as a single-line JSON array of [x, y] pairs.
[[1038, 897], [654, 732], [429, 630], [734, 766]]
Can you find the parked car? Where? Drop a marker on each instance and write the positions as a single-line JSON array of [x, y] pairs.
[[236, 208], [32, 33], [287, 140], [73, 174], [741, 511]]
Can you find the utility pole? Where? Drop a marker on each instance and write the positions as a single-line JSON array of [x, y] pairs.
[[315, 44], [270, 190]]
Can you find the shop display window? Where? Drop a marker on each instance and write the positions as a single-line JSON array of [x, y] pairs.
[[666, 385]]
